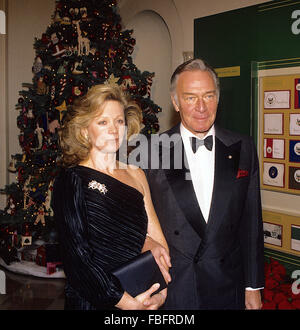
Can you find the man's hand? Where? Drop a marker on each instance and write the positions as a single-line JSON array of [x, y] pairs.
[[161, 256], [253, 299]]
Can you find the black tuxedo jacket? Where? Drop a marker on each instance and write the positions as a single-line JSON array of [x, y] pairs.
[[213, 262]]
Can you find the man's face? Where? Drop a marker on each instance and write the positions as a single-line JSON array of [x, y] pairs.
[[197, 101]]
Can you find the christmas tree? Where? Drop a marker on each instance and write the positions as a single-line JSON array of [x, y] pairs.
[[83, 46]]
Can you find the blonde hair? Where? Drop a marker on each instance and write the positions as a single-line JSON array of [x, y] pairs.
[[75, 146]]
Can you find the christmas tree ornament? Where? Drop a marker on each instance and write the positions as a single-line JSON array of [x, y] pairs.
[[62, 84], [149, 84], [12, 165], [66, 21], [40, 216], [26, 191], [45, 39], [48, 207], [53, 126], [112, 53], [30, 114], [76, 69], [63, 68], [56, 17], [11, 207], [52, 91], [76, 91], [56, 46], [37, 65], [41, 87], [105, 28], [26, 238], [83, 43], [39, 132], [62, 108], [112, 80], [105, 69]]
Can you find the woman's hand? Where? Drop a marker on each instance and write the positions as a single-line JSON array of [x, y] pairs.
[[157, 299], [143, 301], [161, 256]]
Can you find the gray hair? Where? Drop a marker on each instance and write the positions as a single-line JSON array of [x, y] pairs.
[[193, 65]]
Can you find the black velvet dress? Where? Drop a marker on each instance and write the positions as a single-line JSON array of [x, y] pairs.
[[102, 223]]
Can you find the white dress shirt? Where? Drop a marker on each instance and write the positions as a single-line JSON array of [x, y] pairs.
[[202, 169]]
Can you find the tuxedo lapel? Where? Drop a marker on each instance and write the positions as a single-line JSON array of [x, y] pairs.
[[183, 190], [226, 168]]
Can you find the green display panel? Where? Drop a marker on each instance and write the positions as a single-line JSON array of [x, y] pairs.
[[268, 34]]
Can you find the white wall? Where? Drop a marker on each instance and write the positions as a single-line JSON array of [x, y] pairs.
[[152, 53], [3, 115]]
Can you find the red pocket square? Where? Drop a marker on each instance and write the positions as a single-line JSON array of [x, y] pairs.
[[242, 173]]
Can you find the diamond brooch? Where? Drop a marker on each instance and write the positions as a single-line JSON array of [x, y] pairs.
[[99, 186]]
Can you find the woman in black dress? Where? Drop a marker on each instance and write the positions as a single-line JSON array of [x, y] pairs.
[[103, 210]]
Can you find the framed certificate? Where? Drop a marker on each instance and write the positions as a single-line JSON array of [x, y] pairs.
[[277, 99], [274, 148], [294, 151], [273, 123], [294, 177], [272, 233], [295, 124], [295, 237], [297, 93], [273, 174]]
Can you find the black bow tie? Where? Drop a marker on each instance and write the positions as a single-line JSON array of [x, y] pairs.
[[196, 143]]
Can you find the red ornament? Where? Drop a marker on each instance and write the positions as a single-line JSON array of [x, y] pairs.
[[45, 39], [70, 100], [41, 256], [76, 91]]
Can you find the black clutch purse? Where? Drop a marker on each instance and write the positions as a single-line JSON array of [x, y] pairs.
[[139, 274]]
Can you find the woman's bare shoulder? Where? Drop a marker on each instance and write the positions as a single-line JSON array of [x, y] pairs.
[[136, 172]]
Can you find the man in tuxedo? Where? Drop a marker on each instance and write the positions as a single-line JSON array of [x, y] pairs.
[[210, 207]]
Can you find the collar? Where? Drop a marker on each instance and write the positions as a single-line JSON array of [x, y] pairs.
[[186, 134]]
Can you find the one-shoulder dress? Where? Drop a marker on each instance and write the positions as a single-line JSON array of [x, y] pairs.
[[101, 224]]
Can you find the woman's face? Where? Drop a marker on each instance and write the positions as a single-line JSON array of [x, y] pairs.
[[106, 131]]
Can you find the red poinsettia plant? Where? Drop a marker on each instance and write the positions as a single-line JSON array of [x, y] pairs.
[[278, 293]]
